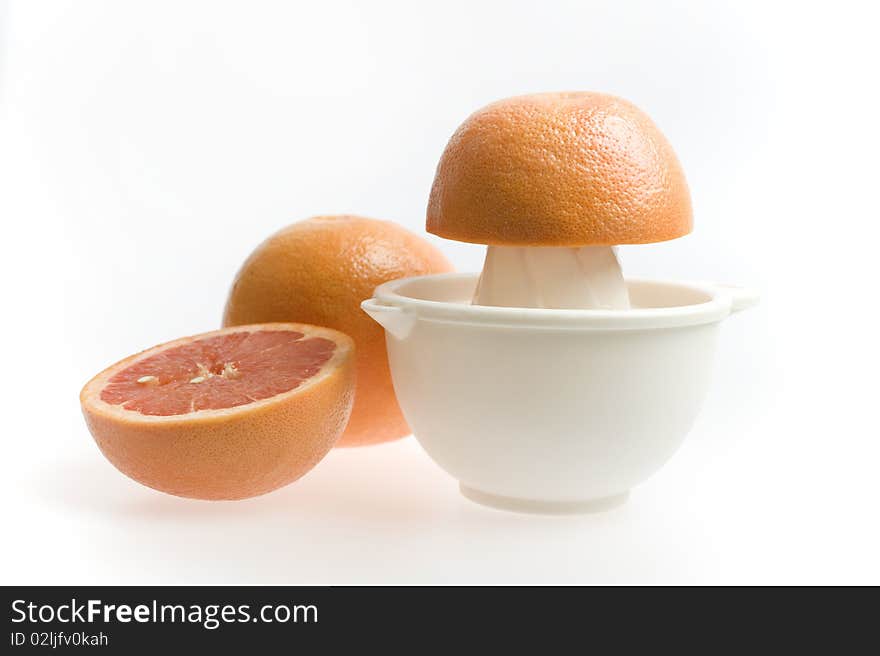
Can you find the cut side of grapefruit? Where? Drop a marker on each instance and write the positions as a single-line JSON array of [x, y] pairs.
[[228, 414]]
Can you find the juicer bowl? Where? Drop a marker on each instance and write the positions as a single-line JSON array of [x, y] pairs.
[[553, 411]]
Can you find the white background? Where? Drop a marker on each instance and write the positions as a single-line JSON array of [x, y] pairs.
[[146, 148]]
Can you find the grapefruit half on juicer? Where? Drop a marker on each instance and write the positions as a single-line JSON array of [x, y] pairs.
[[229, 414]]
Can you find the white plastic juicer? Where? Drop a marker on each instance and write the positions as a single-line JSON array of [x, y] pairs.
[[550, 382], [551, 411]]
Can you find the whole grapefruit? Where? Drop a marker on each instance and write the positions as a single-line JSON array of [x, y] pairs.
[[318, 271]]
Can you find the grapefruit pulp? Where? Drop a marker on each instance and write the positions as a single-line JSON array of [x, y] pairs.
[[228, 414]]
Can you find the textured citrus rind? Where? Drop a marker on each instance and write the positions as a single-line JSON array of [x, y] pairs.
[[559, 169]]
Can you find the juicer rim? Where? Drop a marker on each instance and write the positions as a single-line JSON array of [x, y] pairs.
[[722, 300]]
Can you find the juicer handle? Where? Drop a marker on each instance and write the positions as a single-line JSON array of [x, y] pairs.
[[741, 298], [395, 320]]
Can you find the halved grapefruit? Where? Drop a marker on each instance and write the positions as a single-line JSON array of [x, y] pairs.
[[228, 414]]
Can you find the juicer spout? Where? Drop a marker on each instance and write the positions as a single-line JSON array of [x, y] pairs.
[[395, 320]]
